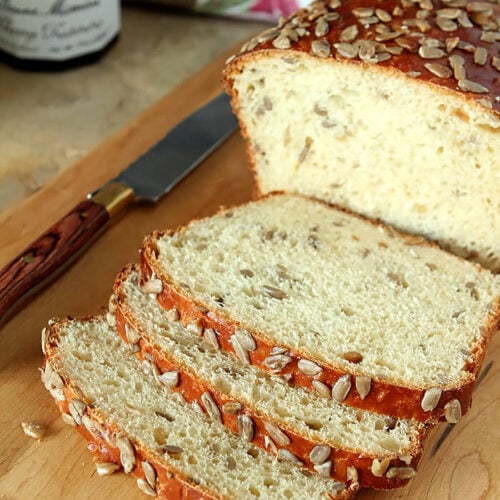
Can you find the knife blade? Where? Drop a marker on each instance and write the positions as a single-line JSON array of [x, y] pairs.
[[151, 176]]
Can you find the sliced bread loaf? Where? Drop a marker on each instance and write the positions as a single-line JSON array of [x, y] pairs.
[[388, 322], [390, 109], [327, 437], [175, 451]]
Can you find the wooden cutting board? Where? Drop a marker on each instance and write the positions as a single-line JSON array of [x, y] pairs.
[[466, 466]]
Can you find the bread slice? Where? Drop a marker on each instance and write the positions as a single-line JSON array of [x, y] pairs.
[[393, 113], [175, 450], [390, 322], [253, 403]]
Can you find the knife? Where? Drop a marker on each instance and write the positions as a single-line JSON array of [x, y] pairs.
[[147, 179]]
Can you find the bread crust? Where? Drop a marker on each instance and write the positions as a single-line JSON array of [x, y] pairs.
[[385, 397], [191, 386]]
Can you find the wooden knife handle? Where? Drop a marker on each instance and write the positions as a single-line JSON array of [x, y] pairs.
[[47, 256]]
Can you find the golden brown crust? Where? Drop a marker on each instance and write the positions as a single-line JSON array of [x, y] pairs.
[[467, 29], [192, 387], [384, 397]]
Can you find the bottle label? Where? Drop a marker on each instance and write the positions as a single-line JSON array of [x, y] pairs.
[[57, 29]]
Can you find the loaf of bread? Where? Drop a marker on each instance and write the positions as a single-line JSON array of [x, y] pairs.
[[386, 321], [174, 449], [264, 409], [391, 109]]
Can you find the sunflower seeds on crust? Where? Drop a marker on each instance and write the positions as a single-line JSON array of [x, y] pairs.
[[210, 337], [426, 52], [474, 87], [277, 434], [172, 449], [321, 388], [240, 351], [245, 427], [347, 50], [401, 473], [322, 27], [196, 328], [324, 469], [273, 292], [143, 485], [172, 315], [320, 48], [282, 42], [319, 454], [363, 385], [34, 430], [132, 335], [77, 409], [149, 474], [341, 388], [289, 457], [380, 466], [231, 407], [352, 475], [127, 453], [439, 70], [308, 367], [154, 286], [349, 34], [169, 378], [106, 468], [453, 411], [277, 362], [68, 419], [246, 340], [211, 406], [431, 398]]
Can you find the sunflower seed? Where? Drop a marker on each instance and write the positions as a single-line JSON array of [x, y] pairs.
[[196, 328], [51, 379], [406, 459], [270, 446], [362, 11], [446, 24], [474, 87], [57, 394], [452, 411], [127, 453], [490, 36], [277, 434], [273, 292], [352, 474], [288, 456], [324, 469], [495, 62], [347, 50], [68, 419], [321, 28], [210, 337], [480, 56], [431, 398], [278, 350], [110, 319], [231, 407], [321, 388], [335, 4], [132, 335], [363, 385], [77, 409], [282, 42], [439, 70], [464, 21], [143, 485], [149, 473], [246, 340], [245, 427], [172, 449], [319, 454], [457, 65], [240, 351], [34, 430], [154, 286], [395, 51], [341, 388], [211, 406], [169, 378], [468, 47], [451, 43], [407, 44], [90, 425], [106, 468], [426, 52], [172, 315], [44, 338], [448, 13], [366, 50], [349, 34], [320, 48], [268, 34], [379, 466], [383, 15], [308, 367], [277, 362], [401, 473]]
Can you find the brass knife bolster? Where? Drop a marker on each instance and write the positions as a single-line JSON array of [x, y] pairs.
[[113, 196]]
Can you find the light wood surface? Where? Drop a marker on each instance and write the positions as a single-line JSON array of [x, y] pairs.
[[466, 466]]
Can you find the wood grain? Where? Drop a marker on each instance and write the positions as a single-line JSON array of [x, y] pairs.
[[466, 466]]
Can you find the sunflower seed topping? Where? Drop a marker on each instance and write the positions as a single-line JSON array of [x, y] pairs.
[[196, 328], [127, 453], [246, 340], [277, 362], [169, 378], [288, 456], [68, 419], [452, 411], [495, 62], [449, 13], [34, 430], [451, 43], [308, 367], [341, 388], [246, 427], [320, 48], [347, 50], [383, 15], [349, 34], [480, 56], [282, 42], [149, 474], [278, 350], [277, 434], [106, 468], [426, 52], [240, 351], [457, 65], [324, 469], [173, 315], [352, 475], [211, 406], [143, 485], [273, 292], [172, 449], [321, 388], [319, 454], [446, 24], [132, 335], [322, 27], [431, 398], [231, 407], [401, 473], [474, 87], [379, 466], [439, 70], [77, 409], [110, 319], [154, 285]]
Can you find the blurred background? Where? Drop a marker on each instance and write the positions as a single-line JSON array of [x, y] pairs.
[[50, 119]]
